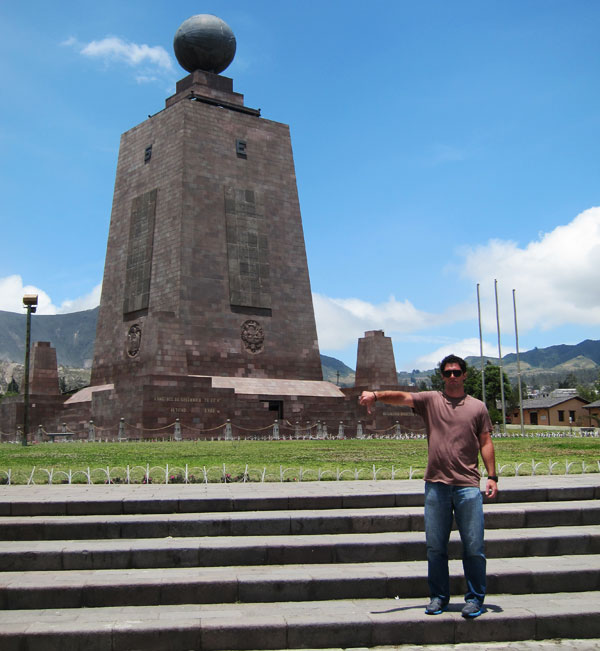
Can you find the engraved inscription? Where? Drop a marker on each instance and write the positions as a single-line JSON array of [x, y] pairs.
[[185, 399], [139, 252], [194, 404], [253, 336], [247, 250]]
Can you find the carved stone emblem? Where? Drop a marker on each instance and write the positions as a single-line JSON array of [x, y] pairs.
[[253, 336], [134, 338]]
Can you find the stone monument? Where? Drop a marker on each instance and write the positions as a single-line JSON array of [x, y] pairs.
[[206, 311], [375, 364], [44, 370], [206, 296]]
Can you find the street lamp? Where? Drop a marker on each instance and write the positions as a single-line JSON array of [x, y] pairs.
[[30, 302]]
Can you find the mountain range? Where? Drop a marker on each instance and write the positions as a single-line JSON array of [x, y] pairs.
[[73, 337]]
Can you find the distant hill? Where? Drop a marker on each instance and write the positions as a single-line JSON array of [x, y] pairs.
[[332, 366], [551, 357], [556, 355], [73, 337]]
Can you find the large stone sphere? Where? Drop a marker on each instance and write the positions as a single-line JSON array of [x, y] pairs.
[[204, 42]]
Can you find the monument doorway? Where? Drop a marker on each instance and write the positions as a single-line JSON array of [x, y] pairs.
[[277, 407]]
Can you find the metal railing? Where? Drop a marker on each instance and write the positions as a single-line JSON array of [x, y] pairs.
[[278, 430], [147, 474]]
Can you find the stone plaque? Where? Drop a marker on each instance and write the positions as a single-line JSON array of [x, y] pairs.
[[139, 252], [247, 250]]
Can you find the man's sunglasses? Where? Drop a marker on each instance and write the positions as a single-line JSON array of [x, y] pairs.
[[455, 373]]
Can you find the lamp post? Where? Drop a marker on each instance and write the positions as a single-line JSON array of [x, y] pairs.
[[30, 302]]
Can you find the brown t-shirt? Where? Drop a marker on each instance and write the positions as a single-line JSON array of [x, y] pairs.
[[453, 429]]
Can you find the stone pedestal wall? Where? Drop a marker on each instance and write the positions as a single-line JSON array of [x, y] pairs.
[[43, 378], [375, 364]]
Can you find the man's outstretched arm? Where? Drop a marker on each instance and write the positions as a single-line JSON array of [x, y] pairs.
[[369, 398]]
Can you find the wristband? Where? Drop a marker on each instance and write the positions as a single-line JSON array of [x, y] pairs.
[[493, 478], [374, 395]]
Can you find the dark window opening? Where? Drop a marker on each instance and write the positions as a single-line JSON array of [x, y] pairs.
[[276, 406], [240, 148]]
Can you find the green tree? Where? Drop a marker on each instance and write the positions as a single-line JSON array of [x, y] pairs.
[[514, 402], [13, 388], [473, 382], [493, 393], [570, 381], [437, 382], [492, 386], [588, 393]]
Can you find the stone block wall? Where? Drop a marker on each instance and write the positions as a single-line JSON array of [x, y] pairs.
[[375, 364]]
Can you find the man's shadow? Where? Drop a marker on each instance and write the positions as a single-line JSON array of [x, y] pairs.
[[452, 608]]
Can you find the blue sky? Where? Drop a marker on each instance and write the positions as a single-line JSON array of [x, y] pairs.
[[437, 145]]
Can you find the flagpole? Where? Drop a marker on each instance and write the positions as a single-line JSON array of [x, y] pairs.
[[481, 347], [500, 360], [518, 365]]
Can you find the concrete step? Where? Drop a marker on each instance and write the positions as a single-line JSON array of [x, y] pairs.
[[201, 498], [557, 644], [285, 566], [22, 556], [305, 624], [168, 586], [285, 522]]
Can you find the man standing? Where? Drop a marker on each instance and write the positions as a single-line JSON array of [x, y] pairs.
[[458, 430]]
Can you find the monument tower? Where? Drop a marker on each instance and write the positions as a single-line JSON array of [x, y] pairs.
[[206, 311], [206, 275]]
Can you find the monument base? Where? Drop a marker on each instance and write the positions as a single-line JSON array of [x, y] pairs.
[[203, 406]]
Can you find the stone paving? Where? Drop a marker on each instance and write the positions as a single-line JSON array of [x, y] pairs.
[[526, 645], [131, 586]]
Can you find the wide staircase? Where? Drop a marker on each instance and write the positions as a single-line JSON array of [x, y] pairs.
[[285, 566]]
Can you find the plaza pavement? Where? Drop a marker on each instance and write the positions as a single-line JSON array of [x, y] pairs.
[[313, 521]]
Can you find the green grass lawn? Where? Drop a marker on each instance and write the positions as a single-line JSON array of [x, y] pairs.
[[346, 459]]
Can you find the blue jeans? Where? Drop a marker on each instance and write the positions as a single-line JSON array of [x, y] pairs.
[[465, 502]]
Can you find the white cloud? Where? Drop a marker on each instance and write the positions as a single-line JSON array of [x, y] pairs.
[[464, 348], [152, 62], [86, 302], [556, 277], [557, 283], [12, 291], [113, 48], [441, 154], [146, 79], [341, 321]]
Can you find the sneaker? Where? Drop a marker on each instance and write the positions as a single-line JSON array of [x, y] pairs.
[[435, 606], [472, 609]]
